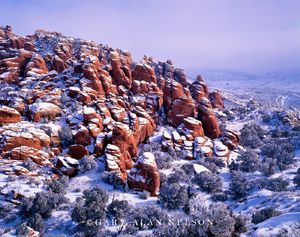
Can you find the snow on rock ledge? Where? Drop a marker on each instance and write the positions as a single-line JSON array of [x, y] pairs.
[[45, 110]]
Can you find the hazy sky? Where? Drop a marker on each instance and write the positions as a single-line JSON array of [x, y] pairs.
[[249, 35]]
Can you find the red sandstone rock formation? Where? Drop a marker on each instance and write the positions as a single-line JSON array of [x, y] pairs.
[[81, 96], [216, 100], [208, 118], [9, 115], [115, 161], [144, 176], [143, 72]]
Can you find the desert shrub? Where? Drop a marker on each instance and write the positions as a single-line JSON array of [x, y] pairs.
[[279, 132], [90, 214], [163, 159], [217, 161], [178, 176], [296, 179], [280, 150], [113, 178], [171, 231], [268, 166], [5, 210], [151, 147], [163, 178], [277, 184], [264, 214], [249, 161], [30, 165], [22, 230], [43, 203], [234, 166], [240, 225], [208, 182], [36, 222], [239, 186], [259, 183], [251, 135], [173, 196], [216, 220], [219, 197], [209, 164], [144, 195], [188, 169], [59, 185], [266, 118], [87, 163], [118, 209], [147, 217]]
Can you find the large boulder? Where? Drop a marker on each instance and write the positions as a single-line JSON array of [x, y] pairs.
[[177, 102], [77, 151], [121, 74], [124, 138], [192, 128], [44, 110], [67, 165], [207, 117], [216, 100], [144, 176], [180, 109], [9, 115], [36, 65], [24, 152], [24, 134], [143, 72], [180, 76], [230, 139]]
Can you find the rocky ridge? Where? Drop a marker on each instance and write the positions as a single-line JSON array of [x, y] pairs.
[[64, 98]]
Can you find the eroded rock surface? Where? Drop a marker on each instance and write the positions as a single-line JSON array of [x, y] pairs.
[[70, 98]]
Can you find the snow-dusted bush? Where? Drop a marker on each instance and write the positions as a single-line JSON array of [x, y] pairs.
[[296, 179], [281, 150], [163, 178], [118, 209], [217, 161], [219, 197], [59, 185], [251, 135], [112, 178], [173, 196], [239, 186], [208, 182], [205, 220], [249, 161], [163, 159], [90, 213], [264, 214], [144, 195], [209, 164], [188, 168], [178, 176], [268, 167], [22, 230], [277, 184], [36, 222], [5, 210], [43, 203], [87, 163], [147, 217]]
